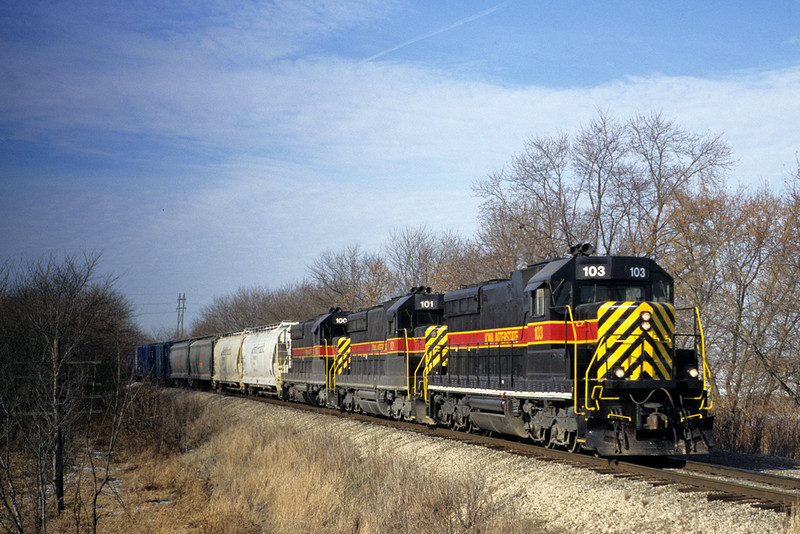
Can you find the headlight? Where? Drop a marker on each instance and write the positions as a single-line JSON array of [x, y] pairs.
[[645, 316], [646, 326], [694, 373], [619, 372]]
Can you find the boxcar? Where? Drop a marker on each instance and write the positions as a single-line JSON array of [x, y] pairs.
[[140, 363], [161, 359]]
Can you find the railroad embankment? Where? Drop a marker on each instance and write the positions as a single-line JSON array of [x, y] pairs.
[[200, 462]]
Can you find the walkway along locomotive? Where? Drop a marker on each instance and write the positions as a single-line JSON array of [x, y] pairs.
[[580, 352]]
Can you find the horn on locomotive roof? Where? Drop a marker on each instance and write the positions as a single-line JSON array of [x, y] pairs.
[[581, 249]]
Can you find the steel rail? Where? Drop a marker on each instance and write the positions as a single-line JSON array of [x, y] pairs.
[[758, 477]]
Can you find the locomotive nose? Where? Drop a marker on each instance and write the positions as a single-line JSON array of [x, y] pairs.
[[635, 341]]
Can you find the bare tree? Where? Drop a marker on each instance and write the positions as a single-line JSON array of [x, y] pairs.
[[413, 256], [107, 428], [734, 255], [774, 321], [54, 340], [256, 306], [420, 257], [533, 205], [12, 520], [745, 261], [461, 261], [616, 184], [665, 162], [350, 278], [604, 178]]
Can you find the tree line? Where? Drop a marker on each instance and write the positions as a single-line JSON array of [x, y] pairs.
[[644, 187]]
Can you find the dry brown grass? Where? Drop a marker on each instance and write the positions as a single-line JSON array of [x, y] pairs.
[[191, 464], [793, 522], [218, 473], [757, 427]]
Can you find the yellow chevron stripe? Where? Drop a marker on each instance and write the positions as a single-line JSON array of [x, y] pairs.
[[663, 370], [663, 325], [639, 369], [616, 311], [342, 362], [622, 342], [435, 348], [666, 313]]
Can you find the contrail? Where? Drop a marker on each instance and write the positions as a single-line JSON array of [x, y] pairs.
[[437, 32]]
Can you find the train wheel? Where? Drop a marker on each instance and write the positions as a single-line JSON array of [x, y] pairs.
[[573, 445]]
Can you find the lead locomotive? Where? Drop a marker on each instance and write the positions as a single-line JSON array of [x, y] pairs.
[[581, 352]]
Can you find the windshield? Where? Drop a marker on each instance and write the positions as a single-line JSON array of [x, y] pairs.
[[606, 293], [662, 290]]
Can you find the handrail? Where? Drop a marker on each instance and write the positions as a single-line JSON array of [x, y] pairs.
[[425, 360], [706, 370], [421, 361], [279, 379], [575, 359], [408, 370], [588, 368], [330, 381]]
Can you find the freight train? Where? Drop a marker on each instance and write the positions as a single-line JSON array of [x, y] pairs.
[[582, 352]]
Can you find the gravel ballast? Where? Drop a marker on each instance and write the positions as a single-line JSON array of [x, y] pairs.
[[558, 497]]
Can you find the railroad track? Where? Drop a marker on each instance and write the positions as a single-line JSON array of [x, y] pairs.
[[784, 490], [768, 491]]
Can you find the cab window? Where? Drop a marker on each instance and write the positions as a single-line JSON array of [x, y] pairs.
[[633, 294], [539, 306], [594, 293], [606, 293], [662, 290]]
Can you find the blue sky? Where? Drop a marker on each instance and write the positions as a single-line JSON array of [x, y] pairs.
[[204, 146]]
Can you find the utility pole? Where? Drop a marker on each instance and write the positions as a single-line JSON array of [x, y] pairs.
[[180, 309]]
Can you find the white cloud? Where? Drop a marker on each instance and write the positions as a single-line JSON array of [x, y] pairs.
[[206, 88], [307, 151]]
